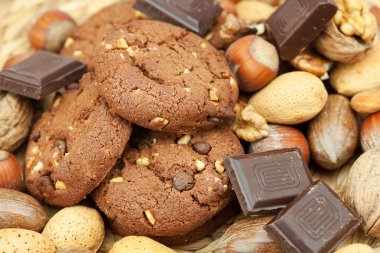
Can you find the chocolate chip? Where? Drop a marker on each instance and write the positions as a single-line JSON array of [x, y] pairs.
[[61, 145], [183, 181], [45, 185], [36, 137], [202, 148]]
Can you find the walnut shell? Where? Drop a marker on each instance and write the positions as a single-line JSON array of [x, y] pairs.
[[362, 191], [16, 115], [334, 134], [336, 46], [246, 236]]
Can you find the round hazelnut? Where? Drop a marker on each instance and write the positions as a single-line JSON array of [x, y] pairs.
[[254, 61], [16, 115], [11, 175], [282, 137], [51, 30], [370, 132]]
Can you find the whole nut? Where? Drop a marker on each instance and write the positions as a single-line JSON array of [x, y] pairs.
[[254, 61], [139, 244], [355, 248], [11, 174], [16, 115], [362, 191], [51, 30], [370, 132], [240, 235], [76, 226], [19, 210], [349, 79], [333, 135], [254, 10], [291, 98], [366, 101], [281, 137], [22, 240]]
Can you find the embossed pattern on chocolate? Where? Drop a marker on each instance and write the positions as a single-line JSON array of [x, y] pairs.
[[41, 74], [268, 180], [316, 222], [297, 23], [197, 16]]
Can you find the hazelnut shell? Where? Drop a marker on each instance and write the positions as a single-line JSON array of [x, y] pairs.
[[254, 61], [370, 132]]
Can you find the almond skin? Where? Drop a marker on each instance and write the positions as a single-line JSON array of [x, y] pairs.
[[333, 135], [19, 210]]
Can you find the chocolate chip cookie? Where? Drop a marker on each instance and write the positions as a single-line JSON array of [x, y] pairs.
[[168, 184], [73, 146], [164, 78], [80, 45]]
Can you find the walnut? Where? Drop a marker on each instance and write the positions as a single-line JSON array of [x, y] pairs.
[[362, 191], [248, 124], [351, 32], [16, 115], [311, 62]]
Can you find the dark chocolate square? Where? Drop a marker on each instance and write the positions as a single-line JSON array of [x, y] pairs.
[[268, 180], [316, 222], [41, 74], [296, 23], [195, 15]]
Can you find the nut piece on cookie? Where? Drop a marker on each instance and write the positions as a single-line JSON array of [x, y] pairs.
[[142, 161], [148, 214]]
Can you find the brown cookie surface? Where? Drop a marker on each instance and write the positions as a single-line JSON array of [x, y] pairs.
[[140, 196], [84, 38], [73, 146], [164, 78]]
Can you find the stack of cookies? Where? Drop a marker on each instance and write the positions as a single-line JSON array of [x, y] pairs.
[[145, 132]]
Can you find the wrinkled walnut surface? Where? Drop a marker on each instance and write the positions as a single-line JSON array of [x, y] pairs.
[[15, 120]]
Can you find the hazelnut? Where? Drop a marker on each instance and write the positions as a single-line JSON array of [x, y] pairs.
[[254, 61], [281, 137], [11, 175], [14, 60], [51, 30], [370, 132]]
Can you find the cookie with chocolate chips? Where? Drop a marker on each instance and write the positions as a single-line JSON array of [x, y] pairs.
[[73, 146], [164, 78], [84, 38], [163, 186]]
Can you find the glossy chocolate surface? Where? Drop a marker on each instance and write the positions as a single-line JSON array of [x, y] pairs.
[[268, 180], [196, 15], [41, 74], [315, 222], [296, 23]]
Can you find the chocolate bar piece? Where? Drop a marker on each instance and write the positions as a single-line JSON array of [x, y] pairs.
[[316, 222], [196, 15], [41, 74], [295, 24], [268, 180]]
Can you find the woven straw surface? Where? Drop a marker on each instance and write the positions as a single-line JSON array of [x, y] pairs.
[[16, 18]]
